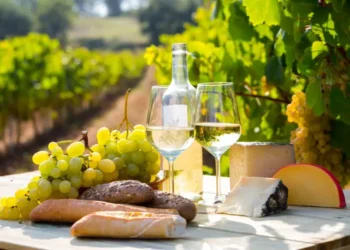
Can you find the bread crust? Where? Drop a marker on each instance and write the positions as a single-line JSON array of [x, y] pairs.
[[71, 210], [186, 208], [129, 225], [122, 192]]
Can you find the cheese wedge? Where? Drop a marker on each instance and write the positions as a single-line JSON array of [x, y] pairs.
[[311, 185], [255, 197], [260, 159]]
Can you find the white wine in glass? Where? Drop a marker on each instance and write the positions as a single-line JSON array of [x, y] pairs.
[[217, 124], [169, 139]]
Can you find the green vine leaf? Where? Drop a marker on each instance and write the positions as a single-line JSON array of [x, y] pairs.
[[263, 11], [340, 134], [318, 49], [339, 105], [239, 26], [314, 98]]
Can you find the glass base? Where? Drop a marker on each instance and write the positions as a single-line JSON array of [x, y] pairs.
[[213, 201]]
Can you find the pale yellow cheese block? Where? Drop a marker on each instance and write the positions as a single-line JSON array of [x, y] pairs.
[[188, 171], [260, 159]]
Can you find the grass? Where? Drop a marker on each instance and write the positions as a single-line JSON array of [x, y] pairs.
[[107, 33]]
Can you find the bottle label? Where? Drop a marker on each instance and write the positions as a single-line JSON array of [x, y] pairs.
[[175, 116]]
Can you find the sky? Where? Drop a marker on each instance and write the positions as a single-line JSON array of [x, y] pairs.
[[102, 10]]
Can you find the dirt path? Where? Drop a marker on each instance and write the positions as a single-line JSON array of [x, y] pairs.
[[137, 112], [137, 109]]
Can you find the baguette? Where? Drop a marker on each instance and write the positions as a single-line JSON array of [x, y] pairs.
[[71, 210], [129, 225]]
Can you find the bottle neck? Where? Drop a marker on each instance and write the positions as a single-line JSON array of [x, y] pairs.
[[179, 68]]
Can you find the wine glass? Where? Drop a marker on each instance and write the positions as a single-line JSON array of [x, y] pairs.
[[217, 124], [170, 128]]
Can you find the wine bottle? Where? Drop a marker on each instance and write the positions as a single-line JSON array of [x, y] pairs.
[[181, 95]]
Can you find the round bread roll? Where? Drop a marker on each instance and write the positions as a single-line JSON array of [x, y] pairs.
[[186, 208], [122, 192]]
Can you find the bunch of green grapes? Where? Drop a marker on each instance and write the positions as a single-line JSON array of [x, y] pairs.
[[117, 156], [312, 139]]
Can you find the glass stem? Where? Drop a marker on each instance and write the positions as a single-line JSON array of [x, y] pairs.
[[218, 176], [171, 177]]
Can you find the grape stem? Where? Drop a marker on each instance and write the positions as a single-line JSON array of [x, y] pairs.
[[125, 119]]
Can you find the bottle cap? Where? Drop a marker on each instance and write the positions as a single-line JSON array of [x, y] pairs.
[[179, 48]]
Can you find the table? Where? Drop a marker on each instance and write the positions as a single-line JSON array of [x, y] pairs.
[[296, 228]]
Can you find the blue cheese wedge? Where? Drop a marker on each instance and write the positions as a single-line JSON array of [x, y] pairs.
[[255, 197]]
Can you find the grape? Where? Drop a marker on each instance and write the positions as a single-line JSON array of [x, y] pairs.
[[127, 158], [106, 166], [89, 174], [20, 193], [40, 156], [46, 166], [13, 214], [95, 156], [123, 135], [32, 184], [57, 151], [73, 193], [44, 189], [52, 145], [93, 164], [137, 135], [131, 146], [138, 157], [23, 203], [110, 176], [151, 156], [139, 127], [153, 168], [121, 146], [132, 170], [33, 194], [55, 173], [99, 175], [75, 149], [115, 134], [111, 157], [103, 135], [62, 165], [75, 165], [87, 183], [111, 148], [55, 184], [76, 181], [25, 213], [119, 163], [10, 202], [64, 186], [145, 177], [99, 148], [145, 146]]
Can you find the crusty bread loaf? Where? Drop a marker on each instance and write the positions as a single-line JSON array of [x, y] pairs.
[[129, 225], [186, 208], [122, 192], [71, 210]]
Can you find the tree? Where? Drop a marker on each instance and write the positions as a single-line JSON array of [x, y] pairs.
[[166, 17], [14, 20], [55, 17], [114, 7]]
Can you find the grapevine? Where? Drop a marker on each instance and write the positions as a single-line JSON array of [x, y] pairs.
[[66, 169], [297, 52]]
